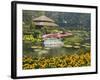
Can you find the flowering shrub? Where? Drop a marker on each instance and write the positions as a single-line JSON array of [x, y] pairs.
[[74, 60]]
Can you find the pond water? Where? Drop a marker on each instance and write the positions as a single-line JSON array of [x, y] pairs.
[[58, 51], [55, 47]]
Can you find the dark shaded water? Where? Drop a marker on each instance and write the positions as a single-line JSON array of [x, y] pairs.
[[51, 52]]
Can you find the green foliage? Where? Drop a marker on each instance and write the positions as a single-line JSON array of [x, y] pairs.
[[72, 21], [31, 27], [72, 40], [28, 37]]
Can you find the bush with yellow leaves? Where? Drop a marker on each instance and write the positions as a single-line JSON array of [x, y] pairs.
[[74, 60]]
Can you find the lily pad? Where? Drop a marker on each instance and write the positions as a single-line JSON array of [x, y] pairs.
[[68, 46], [76, 46], [37, 50], [47, 48], [35, 47]]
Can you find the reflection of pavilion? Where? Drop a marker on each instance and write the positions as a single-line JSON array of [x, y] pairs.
[[53, 42]]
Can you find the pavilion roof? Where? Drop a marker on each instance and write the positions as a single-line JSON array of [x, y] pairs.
[[43, 18], [45, 24], [44, 21]]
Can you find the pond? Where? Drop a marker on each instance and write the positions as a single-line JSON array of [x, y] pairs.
[[56, 47], [58, 51]]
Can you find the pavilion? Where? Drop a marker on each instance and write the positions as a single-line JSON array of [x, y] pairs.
[[44, 21]]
